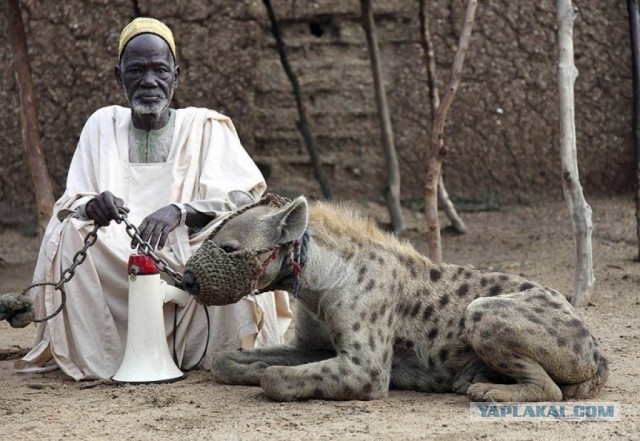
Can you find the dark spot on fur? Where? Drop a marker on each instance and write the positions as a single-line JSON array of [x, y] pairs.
[[317, 393], [426, 314], [577, 349], [575, 322], [555, 305], [503, 365], [495, 290], [435, 275], [538, 310], [356, 326], [394, 274], [430, 363], [476, 316], [416, 309], [444, 300], [457, 274], [347, 391], [372, 256], [361, 273], [485, 335], [518, 365], [467, 274], [367, 388], [525, 286], [355, 360], [357, 346], [412, 269], [374, 317], [432, 334], [463, 289], [381, 260], [325, 369], [317, 377], [443, 354], [370, 285], [461, 322], [562, 342], [533, 319], [503, 277], [483, 282], [372, 342]]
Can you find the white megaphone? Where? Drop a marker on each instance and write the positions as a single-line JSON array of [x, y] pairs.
[[146, 356]]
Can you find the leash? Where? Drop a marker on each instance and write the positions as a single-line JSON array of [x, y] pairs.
[[18, 310]]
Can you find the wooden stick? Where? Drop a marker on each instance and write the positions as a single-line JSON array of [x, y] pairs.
[[40, 178], [392, 190], [438, 149], [579, 210], [432, 82], [303, 123], [634, 31]]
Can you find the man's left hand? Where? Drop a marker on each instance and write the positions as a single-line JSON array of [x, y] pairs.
[[156, 227]]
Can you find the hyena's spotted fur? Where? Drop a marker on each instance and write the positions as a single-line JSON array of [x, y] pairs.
[[373, 313]]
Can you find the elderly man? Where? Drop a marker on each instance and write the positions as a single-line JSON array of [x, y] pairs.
[[175, 171]]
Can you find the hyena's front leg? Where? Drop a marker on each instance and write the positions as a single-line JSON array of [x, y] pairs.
[[247, 367], [360, 370]]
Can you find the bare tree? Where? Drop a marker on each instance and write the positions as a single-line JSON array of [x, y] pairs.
[[392, 190], [303, 122], [432, 83], [578, 208], [40, 178], [634, 30], [438, 149]]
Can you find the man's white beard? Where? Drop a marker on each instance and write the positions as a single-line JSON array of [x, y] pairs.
[[149, 108], [152, 109]]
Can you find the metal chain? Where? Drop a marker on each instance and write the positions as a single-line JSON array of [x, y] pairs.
[[78, 258], [147, 250]]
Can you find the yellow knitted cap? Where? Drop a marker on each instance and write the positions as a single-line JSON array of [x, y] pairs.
[[146, 25]]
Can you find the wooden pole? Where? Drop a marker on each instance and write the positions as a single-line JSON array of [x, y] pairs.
[[634, 31], [438, 149], [303, 122], [40, 178], [392, 190], [432, 83], [579, 210]]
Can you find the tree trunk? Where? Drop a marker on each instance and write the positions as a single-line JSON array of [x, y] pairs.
[[40, 178], [434, 94], [303, 123], [578, 208], [438, 149], [392, 191], [634, 30]]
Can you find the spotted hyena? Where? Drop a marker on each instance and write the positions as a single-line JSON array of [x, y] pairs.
[[373, 313]]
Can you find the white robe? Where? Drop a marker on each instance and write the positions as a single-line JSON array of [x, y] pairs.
[[205, 163]]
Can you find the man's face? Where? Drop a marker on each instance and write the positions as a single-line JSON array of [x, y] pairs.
[[148, 74]]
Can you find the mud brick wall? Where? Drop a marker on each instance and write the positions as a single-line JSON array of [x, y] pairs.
[[502, 131]]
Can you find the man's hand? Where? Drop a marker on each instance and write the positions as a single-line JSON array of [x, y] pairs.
[[104, 208], [156, 227]]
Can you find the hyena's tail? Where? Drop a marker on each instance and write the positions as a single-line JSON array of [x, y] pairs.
[[591, 387]]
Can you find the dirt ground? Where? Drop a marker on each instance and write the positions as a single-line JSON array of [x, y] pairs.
[[532, 240]]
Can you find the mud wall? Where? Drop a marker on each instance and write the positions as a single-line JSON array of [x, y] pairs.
[[502, 131]]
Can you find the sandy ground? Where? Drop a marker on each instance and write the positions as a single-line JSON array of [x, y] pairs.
[[535, 241]]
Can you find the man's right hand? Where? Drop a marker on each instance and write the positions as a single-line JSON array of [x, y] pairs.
[[104, 208]]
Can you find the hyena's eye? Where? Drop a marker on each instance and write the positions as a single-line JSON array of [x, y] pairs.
[[228, 248]]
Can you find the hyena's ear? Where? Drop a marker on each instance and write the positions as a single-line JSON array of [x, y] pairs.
[[290, 221]]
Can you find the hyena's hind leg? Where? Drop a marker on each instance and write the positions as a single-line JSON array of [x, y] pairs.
[[533, 337]]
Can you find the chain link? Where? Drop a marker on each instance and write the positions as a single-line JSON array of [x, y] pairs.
[[147, 250]]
